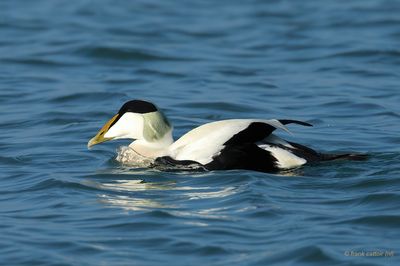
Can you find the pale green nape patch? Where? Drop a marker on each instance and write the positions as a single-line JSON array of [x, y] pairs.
[[156, 125]]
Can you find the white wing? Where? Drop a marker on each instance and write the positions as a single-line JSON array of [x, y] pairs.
[[204, 142]]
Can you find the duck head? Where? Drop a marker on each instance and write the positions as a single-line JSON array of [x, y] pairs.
[[138, 120]]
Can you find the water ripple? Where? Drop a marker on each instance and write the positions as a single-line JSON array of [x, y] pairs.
[[126, 54]]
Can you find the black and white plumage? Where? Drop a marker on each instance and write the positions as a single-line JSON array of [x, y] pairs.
[[228, 144]]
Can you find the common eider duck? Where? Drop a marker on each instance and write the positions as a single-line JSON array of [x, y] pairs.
[[247, 144]]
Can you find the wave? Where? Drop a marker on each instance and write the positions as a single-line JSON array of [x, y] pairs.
[[126, 54]]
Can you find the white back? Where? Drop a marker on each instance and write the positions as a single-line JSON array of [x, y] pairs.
[[204, 142]]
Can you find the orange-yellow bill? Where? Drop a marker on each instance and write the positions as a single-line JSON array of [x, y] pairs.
[[99, 138]]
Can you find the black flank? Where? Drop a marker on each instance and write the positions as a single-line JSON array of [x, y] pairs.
[[167, 160], [245, 156], [241, 152]]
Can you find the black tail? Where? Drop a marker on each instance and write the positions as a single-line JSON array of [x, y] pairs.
[[312, 156]]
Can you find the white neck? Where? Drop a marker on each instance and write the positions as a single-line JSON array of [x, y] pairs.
[[153, 149]]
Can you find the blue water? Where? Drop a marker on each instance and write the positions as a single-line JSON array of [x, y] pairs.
[[67, 66]]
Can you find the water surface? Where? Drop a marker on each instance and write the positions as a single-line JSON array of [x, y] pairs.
[[67, 67]]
